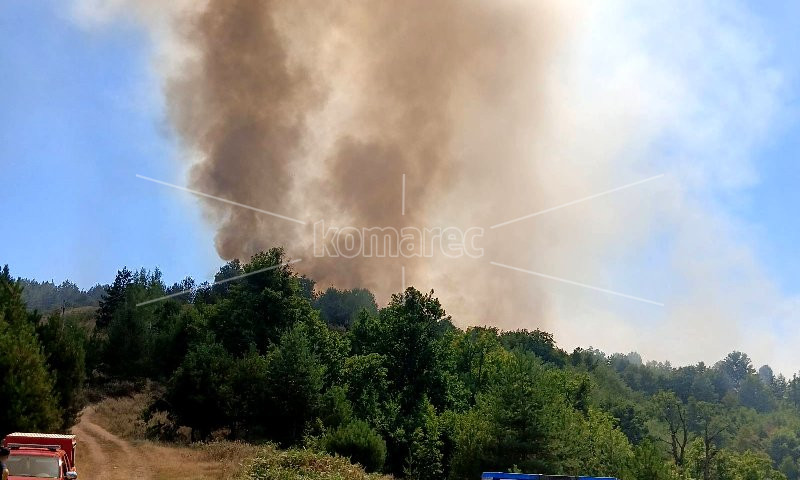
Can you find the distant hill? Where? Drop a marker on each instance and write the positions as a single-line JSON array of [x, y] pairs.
[[47, 296]]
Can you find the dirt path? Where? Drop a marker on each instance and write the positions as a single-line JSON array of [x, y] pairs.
[[102, 455]]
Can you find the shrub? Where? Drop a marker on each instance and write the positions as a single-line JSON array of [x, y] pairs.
[[160, 427], [273, 464], [358, 442]]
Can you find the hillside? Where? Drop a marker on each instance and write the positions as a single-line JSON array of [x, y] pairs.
[[47, 296], [399, 389]]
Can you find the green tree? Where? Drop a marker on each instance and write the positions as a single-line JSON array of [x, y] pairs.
[[335, 410], [711, 425], [329, 346], [250, 393], [783, 444], [113, 297], [254, 311], [788, 467], [670, 410], [611, 453], [649, 463], [413, 334], [747, 465], [340, 308], [755, 394], [532, 423], [737, 366], [479, 356], [474, 441], [27, 401], [199, 394], [366, 377], [295, 378], [630, 420], [424, 460], [64, 343], [793, 391], [127, 326], [540, 343], [702, 388]]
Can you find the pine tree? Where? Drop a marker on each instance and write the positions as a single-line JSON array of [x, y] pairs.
[[26, 387]]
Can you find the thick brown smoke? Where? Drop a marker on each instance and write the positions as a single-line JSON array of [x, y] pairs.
[[242, 106], [317, 111], [493, 109]]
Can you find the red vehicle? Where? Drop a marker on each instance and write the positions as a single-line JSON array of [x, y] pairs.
[[41, 455]]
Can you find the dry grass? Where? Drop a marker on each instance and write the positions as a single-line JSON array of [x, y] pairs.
[[223, 460], [123, 449], [124, 444], [122, 416]]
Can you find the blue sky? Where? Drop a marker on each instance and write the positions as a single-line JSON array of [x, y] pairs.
[[81, 116], [771, 204]]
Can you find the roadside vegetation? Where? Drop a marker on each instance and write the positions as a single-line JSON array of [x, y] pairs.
[[225, 459], [399, 390]]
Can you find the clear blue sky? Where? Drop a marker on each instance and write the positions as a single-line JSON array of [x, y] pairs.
[[772, 204], [81, 115]]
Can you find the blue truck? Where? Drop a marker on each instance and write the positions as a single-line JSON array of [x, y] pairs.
[[535, 476]]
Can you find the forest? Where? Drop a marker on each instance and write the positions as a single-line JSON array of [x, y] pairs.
[[399, 389]]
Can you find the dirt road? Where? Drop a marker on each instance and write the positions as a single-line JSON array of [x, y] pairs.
[[102, 455]]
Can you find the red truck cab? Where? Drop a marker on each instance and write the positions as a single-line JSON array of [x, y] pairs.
[[41, 455]]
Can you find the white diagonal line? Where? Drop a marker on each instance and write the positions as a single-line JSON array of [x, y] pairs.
[[590, 197], [564, 280], [237, 277], [220, 199], [164, 297]]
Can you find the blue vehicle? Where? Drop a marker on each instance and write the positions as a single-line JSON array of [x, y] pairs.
[[536, 476]]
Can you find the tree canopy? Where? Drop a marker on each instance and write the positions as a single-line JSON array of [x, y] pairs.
[[399, 389]]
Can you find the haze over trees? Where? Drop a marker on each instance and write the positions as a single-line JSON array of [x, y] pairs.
[[399, 389], [47, 296]]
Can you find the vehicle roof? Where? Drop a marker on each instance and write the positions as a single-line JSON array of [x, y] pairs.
[[40, 452], [41, 435]]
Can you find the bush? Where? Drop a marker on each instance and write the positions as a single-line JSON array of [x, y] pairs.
[[358, 442], [160, 427], [273, 464]]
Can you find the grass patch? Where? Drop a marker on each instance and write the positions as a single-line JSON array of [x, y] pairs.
[[122, 416], [221, 460]]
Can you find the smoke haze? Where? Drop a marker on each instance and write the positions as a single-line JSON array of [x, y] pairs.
[[493, 110]]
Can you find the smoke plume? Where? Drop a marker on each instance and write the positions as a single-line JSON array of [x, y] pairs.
[[492, 110], [316, 111]]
